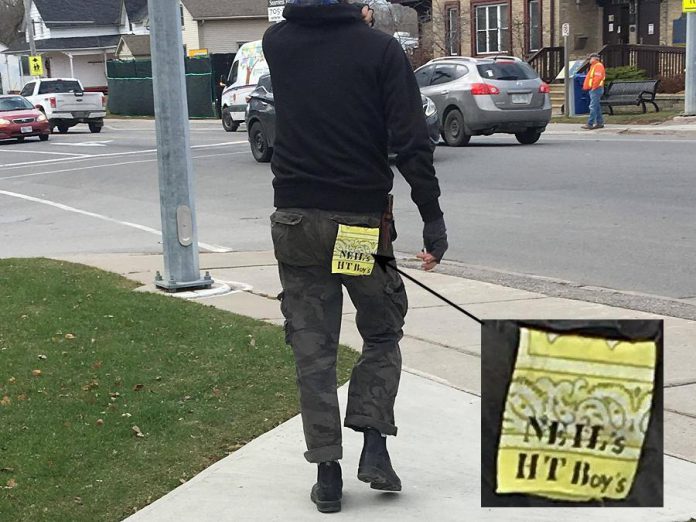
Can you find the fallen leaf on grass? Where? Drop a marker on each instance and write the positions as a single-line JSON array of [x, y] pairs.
[[36, 373], [100, 422], [7, 470], [91, 385], [69, 336], [5, 401], [182, 481], [97, 365], [78, 500], [137, 432], [12, 380], [22, 397], [42, 357], [12, 483], [216, 392], [138, 387]]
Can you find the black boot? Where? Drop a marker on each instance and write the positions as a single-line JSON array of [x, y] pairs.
[[327, 492], [375, 466]]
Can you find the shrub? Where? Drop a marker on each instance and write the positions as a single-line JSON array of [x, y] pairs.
[[626, 72], [671, 84]]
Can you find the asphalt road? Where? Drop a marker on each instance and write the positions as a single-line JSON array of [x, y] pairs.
[[604, 210]]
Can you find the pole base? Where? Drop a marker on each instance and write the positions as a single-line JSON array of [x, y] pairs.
[[174, 286]]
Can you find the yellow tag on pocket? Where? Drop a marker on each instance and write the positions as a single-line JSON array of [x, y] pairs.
[[576, 414], [353, 250]]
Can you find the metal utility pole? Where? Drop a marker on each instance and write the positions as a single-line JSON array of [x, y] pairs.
[[29, 26], [690, 80], [179, 235], [565, 31]]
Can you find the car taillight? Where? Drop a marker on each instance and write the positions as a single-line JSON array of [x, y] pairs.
[[544, 88], [103, 101], [478, 89], [52, 101]]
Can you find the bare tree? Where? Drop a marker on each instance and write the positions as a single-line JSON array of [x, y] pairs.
[[11, 20]]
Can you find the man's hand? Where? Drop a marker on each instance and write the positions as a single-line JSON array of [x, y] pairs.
[[429, 261], [435, 241]]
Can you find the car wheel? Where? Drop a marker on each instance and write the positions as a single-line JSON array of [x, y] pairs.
[[528, 137], [44, 137], [227, 122], [259, 144], [453, 132], [63, 129], [95, 128]]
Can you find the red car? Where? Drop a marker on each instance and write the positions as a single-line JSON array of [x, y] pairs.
[[19, 119]]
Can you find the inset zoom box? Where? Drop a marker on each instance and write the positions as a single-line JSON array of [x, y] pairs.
[[572, 413]]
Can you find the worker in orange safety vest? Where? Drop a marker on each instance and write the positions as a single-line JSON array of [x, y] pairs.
[[594, 82]]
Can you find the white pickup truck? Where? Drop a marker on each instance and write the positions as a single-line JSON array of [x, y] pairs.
[[65, 103]]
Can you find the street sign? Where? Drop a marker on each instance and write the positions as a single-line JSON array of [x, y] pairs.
[[36, 66], [689, 6], [197, 52], [565, 28], [275, 10]]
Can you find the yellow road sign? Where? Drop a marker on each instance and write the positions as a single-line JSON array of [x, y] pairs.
[[36, 66], [689, 6]]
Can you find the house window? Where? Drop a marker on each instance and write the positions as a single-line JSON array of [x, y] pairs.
[[181, 14], [492, 28], [534, 14], [452, 32]]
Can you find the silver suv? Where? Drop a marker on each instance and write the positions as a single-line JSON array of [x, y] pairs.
[[483, 96]]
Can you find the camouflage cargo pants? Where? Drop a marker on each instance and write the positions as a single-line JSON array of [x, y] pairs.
[[312, 303]]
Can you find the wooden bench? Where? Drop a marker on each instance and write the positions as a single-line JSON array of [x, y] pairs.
[[638, 92]]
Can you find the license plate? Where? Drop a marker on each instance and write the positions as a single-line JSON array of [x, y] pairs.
[[80, 114], [521, 98], [26, 130]]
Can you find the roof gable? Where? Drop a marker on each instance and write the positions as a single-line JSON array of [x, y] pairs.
[[207, 9], [137, 10]]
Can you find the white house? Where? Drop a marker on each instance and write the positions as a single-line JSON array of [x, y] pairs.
[[223, 26], [10, 72], [76, 38]]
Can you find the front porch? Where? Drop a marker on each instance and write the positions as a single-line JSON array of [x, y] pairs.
[[83, 58]]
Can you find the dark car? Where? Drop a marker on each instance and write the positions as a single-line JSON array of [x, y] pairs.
[[260, 120], [20, 119]]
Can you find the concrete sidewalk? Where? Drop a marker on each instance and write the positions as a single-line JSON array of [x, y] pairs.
[[686, 129], [437, 409]]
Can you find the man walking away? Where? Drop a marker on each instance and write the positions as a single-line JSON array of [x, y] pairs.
[[594, 82], [340, 89]]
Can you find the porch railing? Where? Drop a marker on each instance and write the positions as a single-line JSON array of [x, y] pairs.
[[658, 61], [547, 62]]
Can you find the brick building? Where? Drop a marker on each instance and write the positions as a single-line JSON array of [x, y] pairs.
[[521, 27]]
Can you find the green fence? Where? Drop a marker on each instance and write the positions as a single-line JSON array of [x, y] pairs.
[[131, 93]]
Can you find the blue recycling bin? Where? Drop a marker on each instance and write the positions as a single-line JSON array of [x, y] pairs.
[[580, 97]]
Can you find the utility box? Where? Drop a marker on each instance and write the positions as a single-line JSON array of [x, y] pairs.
[[580, 103]]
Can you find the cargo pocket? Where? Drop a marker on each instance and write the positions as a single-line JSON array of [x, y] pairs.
[[397, 299], [292, 242], [357, 221]]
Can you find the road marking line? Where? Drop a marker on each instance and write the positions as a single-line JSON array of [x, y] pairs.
[[84, 144], [86, 157], [205, 246], [26, 152], [32, 174]]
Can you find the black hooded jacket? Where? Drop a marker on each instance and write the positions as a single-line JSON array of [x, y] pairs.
[[339, 88]]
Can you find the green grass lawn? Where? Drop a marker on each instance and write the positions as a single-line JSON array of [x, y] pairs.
[[624, 117], [110, 398]]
